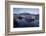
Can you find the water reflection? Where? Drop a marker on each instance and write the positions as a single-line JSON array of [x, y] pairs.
[[25, 22]]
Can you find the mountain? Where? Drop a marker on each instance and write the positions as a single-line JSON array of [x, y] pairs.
[[15, 14], [27, 14], [24, 14]]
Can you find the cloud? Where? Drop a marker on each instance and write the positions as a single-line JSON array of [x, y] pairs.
[[26, 10]]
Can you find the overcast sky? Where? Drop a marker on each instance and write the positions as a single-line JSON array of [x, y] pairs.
[[26, 10]]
